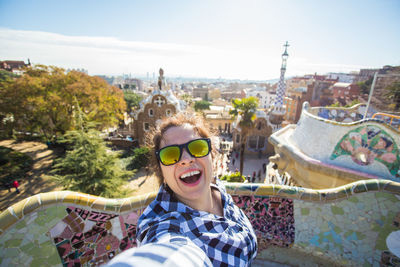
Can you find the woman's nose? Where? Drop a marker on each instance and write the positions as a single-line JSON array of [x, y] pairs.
[[186, 158]]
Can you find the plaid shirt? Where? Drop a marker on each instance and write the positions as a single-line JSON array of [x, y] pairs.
[[227, 241]]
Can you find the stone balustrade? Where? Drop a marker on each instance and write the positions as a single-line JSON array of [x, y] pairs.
[[343, 226]]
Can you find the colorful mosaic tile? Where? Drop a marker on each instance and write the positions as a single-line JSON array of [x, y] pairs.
[[348, 225], [355, 230], [91, 238], [340, 114], [272, 219], [366, 144]]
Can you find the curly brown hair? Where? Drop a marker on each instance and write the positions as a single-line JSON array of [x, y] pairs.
[[156, 135]]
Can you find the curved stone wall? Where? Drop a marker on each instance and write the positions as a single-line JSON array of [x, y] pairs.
[[347, 225], [340, 114], [367, 146]]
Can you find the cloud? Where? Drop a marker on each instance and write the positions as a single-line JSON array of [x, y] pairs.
[[111, 56]]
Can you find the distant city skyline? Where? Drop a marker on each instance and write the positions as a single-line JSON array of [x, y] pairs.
[[208, 39]]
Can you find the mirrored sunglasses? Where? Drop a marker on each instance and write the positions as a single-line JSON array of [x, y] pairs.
[[172, 154]]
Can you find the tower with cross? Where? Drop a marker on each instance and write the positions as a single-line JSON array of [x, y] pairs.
[[279, 110], [160, 104], [159, 101]]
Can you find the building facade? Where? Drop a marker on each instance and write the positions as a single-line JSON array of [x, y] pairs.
[[14, 66], [345, 90], [257, 139]]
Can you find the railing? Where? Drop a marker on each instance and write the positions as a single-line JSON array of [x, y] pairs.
[[392, 120], [343, 226]]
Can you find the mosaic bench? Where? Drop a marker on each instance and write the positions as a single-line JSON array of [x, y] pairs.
[[350, 225]]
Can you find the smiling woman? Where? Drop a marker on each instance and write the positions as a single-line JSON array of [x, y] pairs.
[[192, 207]]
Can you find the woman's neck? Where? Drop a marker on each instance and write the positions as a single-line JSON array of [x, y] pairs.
[[211, 202]]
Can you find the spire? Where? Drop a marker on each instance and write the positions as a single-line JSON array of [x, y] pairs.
[[279, 111], [161, 79], [280, 93]]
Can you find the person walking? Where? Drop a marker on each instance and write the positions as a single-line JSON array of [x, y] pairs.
[[16, 184]]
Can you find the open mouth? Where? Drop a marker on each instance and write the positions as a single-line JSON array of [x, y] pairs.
[[190, 177]]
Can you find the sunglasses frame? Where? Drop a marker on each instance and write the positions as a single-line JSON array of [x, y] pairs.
[[186, 146]]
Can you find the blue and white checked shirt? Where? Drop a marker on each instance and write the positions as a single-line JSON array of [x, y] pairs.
[[227, 241]]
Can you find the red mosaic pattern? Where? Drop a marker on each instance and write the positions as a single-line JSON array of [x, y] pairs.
[[272, 219], [89, 238]]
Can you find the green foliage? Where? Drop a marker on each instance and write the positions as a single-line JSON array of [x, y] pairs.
[[42, 100], [338, 105], [365, 86], [393, 94], [132, 100], [335, 105], [141, 158], [353, 103], [245, 108], [88, 166], [233, 178], [188, 99], [13, 165], [201, 105], [6, 76]]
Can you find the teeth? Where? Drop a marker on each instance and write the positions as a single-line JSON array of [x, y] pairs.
[[188, 174]]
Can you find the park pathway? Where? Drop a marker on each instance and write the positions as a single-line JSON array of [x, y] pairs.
[[37, 181]]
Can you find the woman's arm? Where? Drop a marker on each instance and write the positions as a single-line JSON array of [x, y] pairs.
[[169, 250]]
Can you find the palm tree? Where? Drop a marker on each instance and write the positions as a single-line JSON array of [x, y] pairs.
[[245, 109]]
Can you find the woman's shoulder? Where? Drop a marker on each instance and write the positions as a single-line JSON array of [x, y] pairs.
[[163, 208], [219, 185]]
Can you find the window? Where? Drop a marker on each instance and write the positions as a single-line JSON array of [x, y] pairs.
[[238, 138], [256, 142], [261, 141], [253, 141], [146, 126], [168, 113], [151, 112]]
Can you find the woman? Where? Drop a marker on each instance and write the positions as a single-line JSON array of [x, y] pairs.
[[191, 204]]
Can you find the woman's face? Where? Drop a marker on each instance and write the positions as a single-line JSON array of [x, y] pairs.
[[190, 177]]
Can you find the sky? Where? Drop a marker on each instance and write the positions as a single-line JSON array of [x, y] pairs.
[[209, 38]]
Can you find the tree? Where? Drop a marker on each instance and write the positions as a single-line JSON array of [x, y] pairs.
[[42, 100], [188, 99], [88, 166], [201, 105], [6, 119], [353, 103], [393, 93], [7, 76], [365, 86], [132, 101], [141, 158], [245, 109], [235, 177]]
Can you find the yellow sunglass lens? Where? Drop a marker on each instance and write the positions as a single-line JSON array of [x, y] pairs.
[[170, 155], [198, 148]]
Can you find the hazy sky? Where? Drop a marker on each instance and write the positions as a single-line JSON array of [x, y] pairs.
[[203, 38]]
